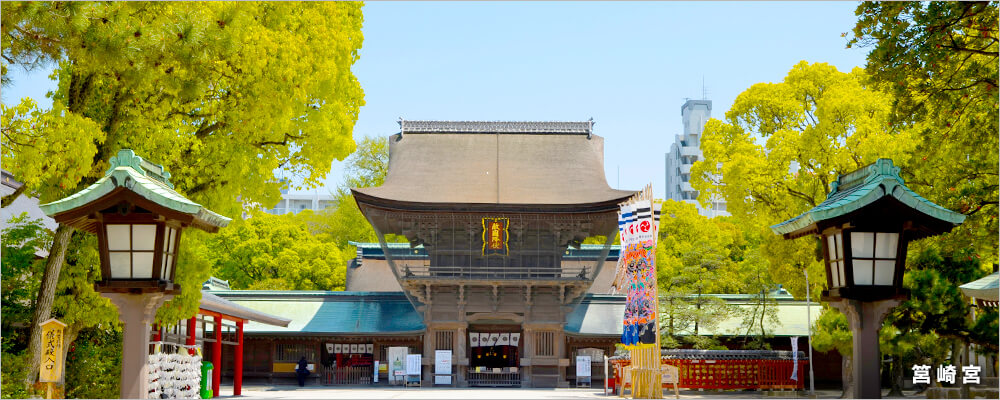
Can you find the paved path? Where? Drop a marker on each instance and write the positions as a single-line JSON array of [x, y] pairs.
[[320, 392]]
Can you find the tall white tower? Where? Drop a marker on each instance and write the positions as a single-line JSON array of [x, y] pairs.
[[685, 151]]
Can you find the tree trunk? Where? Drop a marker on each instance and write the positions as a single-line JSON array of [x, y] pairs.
[[896, 377], [847, 376], [46, 293]]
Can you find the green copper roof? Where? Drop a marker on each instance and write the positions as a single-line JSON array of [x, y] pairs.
[[601, 315], [985, 288], [144, 178], [863, 187], [325, 312]]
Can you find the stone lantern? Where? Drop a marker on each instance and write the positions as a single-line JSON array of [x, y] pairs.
[[864, 226], [138, 219]]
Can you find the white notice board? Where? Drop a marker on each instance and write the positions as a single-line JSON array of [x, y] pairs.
[[442, 367], [413, 364], [582, 366], [396, 359]]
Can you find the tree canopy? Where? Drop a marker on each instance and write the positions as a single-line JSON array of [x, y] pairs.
[[277, 252], [221, 93], [938, 60]]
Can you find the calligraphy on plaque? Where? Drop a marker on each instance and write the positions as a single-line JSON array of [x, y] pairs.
[[495, 236]]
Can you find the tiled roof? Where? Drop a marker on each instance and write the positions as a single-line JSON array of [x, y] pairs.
[[860, 188], [536, 127], [403, 250], [326, 312], [597, 315], [145, 179]]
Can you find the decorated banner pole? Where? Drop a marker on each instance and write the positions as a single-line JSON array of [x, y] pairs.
[[636, 273]]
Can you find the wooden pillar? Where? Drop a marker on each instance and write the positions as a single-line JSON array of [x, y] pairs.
[[217, 357], [192, 334], [238, 361]]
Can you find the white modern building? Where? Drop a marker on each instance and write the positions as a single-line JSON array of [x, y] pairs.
[[295, 203], [22, 204], [685, 151]]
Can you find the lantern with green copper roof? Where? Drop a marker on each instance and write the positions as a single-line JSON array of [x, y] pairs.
[[864, 226], [138, 218]]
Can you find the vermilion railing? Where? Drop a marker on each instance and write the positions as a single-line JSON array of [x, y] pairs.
[[731, 374]]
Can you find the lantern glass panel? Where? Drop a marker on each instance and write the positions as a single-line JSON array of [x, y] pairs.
[[143, 237], [142, 265], [835, 273], [118, 237], [884, 271], [886, 244], [834, 246], [863, 271], [169, 238], [840, 269], [166, 268], [121, 265], [863, 244], [835, 251]]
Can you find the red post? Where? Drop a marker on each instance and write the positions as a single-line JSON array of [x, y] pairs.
[[192, 333], [156, 334], [217, 357], [238, 361]]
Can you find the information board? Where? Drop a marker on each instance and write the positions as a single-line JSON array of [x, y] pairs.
[[413, 364], [583, 366], [442, 367], [397, 359]]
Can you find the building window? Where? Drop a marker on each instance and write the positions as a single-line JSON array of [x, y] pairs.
[[444, 340], [545, 343], [292, 352]]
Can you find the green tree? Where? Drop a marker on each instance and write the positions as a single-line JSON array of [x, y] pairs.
[[277, 252], [762, 309], [694, 257], [832, 332], [221, 93], [344, 223], [21, 240], [94, 364], [939, 61]]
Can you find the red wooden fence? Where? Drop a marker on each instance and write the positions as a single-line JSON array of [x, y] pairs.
[[732, 374]]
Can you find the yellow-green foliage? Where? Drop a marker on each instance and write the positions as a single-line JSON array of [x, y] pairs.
[[939, 61], [277, 252], [221, 93], [824, 121]]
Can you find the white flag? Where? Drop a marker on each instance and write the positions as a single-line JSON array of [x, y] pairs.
[[515, 339], [795, 358], [473, 339]]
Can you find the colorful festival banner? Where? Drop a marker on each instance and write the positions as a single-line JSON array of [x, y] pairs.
[[638, 224], [638, 270]]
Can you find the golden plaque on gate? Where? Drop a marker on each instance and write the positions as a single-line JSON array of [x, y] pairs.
[[495, 236]]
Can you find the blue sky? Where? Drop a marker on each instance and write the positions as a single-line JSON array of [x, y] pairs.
[[628, 65]]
